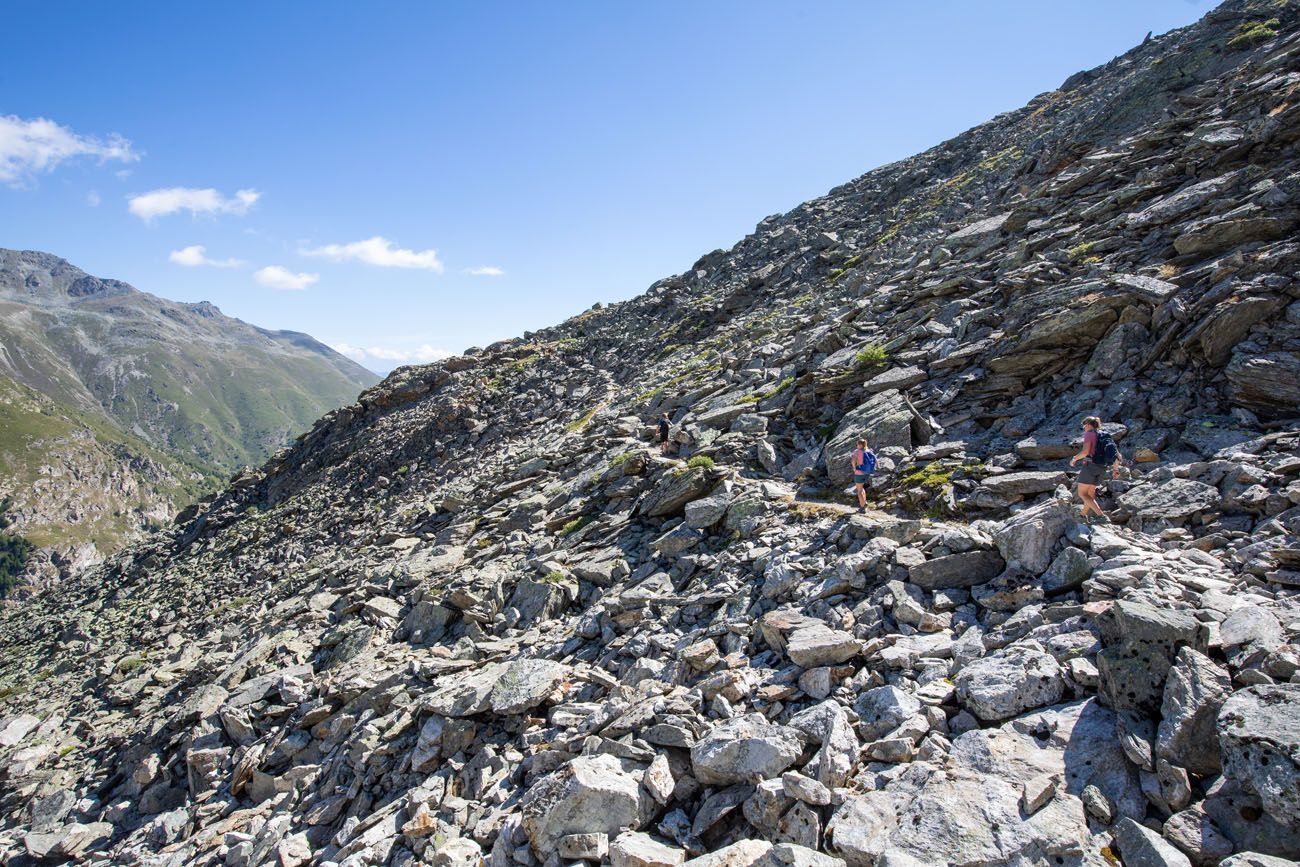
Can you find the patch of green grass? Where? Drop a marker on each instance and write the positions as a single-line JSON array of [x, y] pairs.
[[575, 525], [519, 365], [1080, 250], [582, 421], [934, 477], [651, 394], [231, 604], [1252, 32], [621, 458], [700, 461], [771, 392], [871, 355], [131, 663], [64, 751], [555, 577], [836, 273]]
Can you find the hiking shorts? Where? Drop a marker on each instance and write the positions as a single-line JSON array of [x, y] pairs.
[[1091, 474], [861, 478]]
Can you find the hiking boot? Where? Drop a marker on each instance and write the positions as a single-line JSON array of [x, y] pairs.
[[1087, 520], [1103, 519]]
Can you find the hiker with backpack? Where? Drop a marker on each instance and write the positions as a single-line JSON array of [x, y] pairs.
[[664, 427], [1099, 452], [864, 464]]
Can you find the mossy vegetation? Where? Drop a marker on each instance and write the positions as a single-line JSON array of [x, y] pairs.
[[575, 525], [1254, 32], [583, 420], [1079, 251], [700, 461], [871, 355], [934, 477], [771, 392]]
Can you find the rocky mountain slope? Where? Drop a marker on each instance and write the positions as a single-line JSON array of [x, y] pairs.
[[478, 617], [118, 407]]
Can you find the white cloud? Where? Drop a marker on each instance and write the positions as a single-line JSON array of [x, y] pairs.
[[93, 199], [419, 355], [486, 271], [169, 200], [28, 147], [278, 277], [196, 255], [378, 251]]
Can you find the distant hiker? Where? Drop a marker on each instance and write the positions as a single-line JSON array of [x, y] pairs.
[[864, 464], [1099, 451], [664, 426]]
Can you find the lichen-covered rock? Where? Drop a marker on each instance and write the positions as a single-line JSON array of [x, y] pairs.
[[1141, 642], [1010, 681], [1026, 540], [746, 749], [1259, 732], [1194, 692], [590, 794]]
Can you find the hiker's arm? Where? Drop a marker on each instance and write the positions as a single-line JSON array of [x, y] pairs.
[[1081, 455]]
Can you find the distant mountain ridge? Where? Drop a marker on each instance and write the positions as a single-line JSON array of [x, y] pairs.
[[180, 389]]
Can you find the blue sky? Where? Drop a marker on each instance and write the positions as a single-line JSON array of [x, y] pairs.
[[404, 179]]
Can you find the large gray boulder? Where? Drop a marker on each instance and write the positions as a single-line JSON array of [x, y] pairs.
[[957, 570], [883, 709], [1194, 692], [1026, 539], [524, 684], [1171, 499], [674, 490], [1010, 681], [591, 794], [1027, 482], [811, 646], [1259, 734], [885, 420], [1139, 646], [743, 750], [1267, 382]]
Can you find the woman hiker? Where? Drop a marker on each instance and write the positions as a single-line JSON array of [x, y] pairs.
[[1098, 450], [864, 463]]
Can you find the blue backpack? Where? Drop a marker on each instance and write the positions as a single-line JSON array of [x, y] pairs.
[[868, 464], [1105, 452]]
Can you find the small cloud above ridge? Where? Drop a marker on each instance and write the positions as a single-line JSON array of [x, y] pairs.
[[171, 200], [279, 277], [378, 251], [195, 256]]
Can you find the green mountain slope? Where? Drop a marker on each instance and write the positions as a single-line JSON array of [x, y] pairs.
[[117, 407]]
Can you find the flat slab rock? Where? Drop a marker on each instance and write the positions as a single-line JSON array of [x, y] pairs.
[[812, 646], [1029, 482], [957, 570], [1172, 498]]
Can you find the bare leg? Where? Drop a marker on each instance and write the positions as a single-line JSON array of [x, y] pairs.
[[1088, 493], [862, 495]]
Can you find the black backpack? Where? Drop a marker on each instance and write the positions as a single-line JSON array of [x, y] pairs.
[[1106, 452]]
